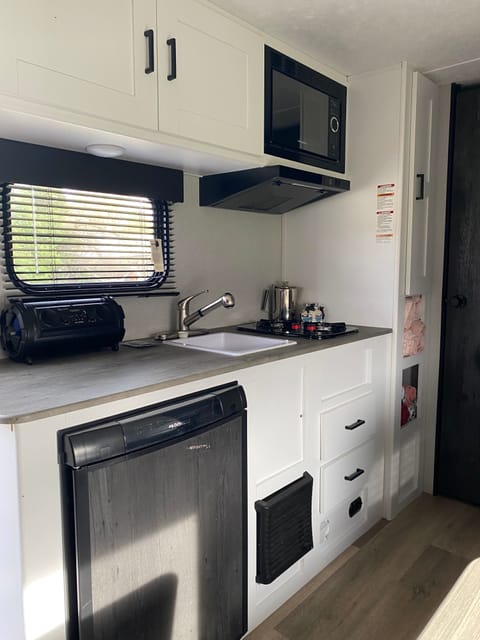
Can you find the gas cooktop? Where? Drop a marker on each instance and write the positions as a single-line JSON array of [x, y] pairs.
[[308, 330]]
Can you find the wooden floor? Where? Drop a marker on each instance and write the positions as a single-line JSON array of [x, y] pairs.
[[388, 584]]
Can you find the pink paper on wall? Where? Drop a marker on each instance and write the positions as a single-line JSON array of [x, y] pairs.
[[414, 327]]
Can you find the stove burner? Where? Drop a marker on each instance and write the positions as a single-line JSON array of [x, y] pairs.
[[309, 330]]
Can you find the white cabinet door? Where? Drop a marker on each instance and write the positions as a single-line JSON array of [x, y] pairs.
[[88, 57], [217, 94], [276, 441], [420, 206]]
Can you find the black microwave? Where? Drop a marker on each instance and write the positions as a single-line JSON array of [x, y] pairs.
[[304, 113]]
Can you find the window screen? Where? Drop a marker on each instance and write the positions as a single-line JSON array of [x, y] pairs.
[[64, 240]]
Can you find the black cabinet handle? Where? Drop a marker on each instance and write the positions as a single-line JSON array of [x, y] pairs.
[[420, 186], [353, 476], [354, 425], [172, 43], [149, 35]]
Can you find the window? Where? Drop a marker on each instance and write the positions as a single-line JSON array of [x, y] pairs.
[[64, 241]]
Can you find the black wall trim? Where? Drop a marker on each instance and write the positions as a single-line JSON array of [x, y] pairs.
[[47, 166]]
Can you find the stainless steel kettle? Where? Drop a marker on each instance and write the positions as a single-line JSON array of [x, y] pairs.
[[280, 300]]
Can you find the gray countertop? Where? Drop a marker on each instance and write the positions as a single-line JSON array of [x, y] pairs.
[[54, 386]]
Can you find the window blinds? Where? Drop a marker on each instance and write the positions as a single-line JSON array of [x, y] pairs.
[[64, 241]]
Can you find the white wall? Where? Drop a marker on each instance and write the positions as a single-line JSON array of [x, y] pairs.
[[218, 250], [331, 249]]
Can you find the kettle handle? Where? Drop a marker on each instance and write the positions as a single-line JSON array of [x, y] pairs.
[[266, 296]]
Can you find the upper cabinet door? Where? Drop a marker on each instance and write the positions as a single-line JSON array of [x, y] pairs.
[[421, 191], [210, 77], [87, 56]]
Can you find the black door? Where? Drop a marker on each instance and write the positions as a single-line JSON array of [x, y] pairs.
[[458, 440]]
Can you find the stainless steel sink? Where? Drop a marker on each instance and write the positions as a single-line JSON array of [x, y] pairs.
[[231, 344]]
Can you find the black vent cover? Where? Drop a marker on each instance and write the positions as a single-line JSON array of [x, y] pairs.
[[284, 528]]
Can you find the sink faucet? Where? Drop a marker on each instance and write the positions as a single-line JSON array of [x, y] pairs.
[[185, 318]]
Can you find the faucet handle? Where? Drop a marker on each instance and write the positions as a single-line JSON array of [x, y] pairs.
[[184, 302]]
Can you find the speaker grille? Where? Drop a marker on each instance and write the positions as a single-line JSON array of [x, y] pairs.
[[284, 528]]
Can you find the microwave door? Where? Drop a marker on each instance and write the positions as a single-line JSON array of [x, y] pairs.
[[286, 111], [314, 122]]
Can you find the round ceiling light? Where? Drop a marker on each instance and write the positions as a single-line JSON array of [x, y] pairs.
[[105, 150]]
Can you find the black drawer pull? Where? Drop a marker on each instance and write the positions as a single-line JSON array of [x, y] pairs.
[[172, 43], [353, 476], [354, 425], [150, 68]]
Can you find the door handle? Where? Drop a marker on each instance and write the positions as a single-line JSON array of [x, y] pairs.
[[172, 43], [420, 187], [149, 35], [457, 301]]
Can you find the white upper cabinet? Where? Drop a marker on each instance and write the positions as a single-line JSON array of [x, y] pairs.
[[216, 94], [88, 57], [420, 203], [110, 59]]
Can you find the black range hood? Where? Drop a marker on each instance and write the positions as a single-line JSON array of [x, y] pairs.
[[271, 189]]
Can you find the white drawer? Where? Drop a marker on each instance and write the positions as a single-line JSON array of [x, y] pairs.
[[346, 476], [340, 521], [341, 370], [347, 426]]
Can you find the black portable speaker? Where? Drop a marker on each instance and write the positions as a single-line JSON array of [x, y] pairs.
[[31, 329]]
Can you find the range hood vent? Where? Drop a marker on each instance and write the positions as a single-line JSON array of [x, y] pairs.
[[271, 189]]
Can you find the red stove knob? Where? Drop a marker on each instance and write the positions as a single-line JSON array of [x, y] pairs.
[[295, 326], [310, 326]]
